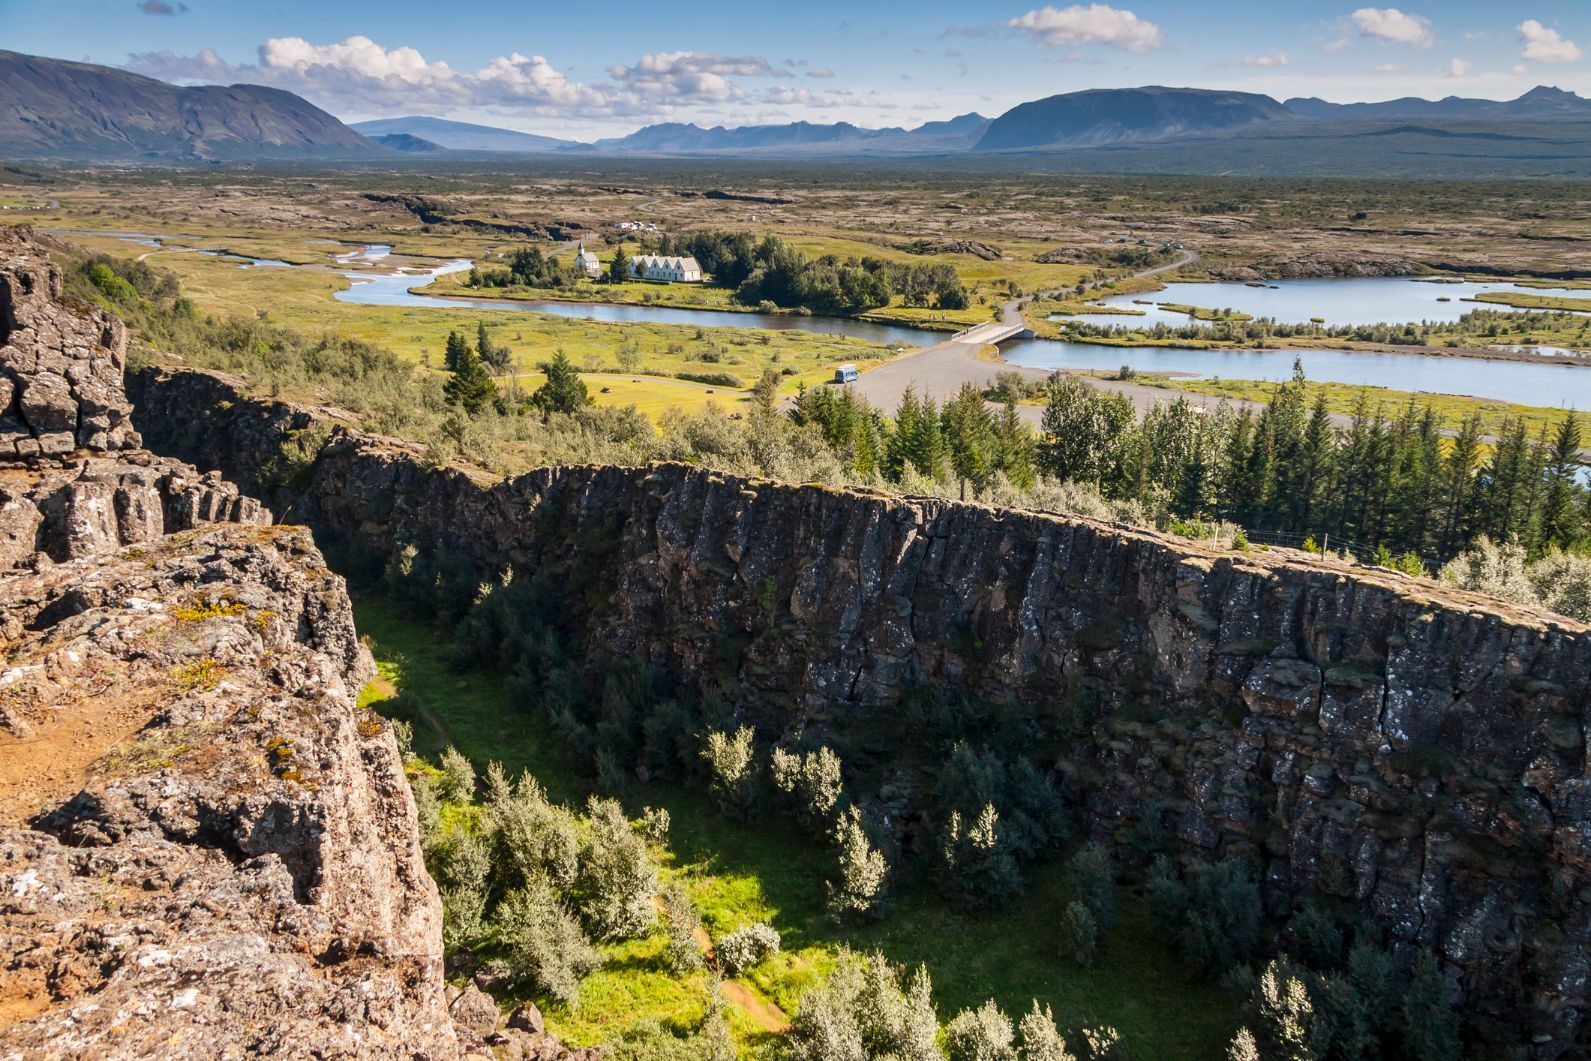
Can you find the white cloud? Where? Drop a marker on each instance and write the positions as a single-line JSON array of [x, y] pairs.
[[1333, 47], [360, 75], [1454, 68], [1543, 44], [1390, 24], [697, 76], [1094, 24], [820, 71], [1269, 61], [1388, 68], [169, 66]]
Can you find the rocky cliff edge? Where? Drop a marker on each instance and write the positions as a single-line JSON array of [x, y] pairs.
[[207, 849]]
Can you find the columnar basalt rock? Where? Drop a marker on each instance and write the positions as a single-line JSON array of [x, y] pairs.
[[1384, 743], [60, 364], [207, 849]]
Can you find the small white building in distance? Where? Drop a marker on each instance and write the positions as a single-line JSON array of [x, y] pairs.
[[670, 269], [586, 262]]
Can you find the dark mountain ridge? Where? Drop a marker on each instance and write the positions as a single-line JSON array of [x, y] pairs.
[[52, 108], [1114, 115], [56, 109], [1540, 102]]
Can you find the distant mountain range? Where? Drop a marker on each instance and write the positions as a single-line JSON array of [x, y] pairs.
[[957, 134], [460, 136], [52, 108], [1540, 102]]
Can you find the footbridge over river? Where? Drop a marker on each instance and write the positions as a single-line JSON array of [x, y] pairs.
[[993, 333]]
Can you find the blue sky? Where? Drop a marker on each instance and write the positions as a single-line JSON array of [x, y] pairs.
[[586, 69]]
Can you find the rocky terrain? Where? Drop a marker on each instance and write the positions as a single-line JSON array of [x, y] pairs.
[[1380, 743], [206, 848]]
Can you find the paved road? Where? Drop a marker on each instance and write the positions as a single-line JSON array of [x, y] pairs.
[[940, 371]]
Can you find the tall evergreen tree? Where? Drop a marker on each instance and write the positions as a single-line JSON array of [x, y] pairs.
[[470, 386], [564, 391], [1460, 491], [619, 266], [1561, 524], [969, 436], [453, 353]]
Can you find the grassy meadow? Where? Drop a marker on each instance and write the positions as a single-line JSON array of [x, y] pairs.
[[303, 299]]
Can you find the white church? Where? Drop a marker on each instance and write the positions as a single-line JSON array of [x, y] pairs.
[[586, 262], [669, 269]]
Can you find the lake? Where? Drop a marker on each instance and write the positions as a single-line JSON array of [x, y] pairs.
[[1337, 301], [1527, 383]]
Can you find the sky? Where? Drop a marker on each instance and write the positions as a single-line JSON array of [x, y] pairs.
[[588, 68]]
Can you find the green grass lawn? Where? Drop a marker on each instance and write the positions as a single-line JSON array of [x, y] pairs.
[[1520, 300], [740, 873]]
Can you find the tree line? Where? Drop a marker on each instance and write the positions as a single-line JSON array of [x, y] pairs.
[[773, 271], [1480, 324], [1393, 482]]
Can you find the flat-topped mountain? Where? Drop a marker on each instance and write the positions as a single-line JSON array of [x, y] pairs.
[[460, 136], [956, 134], [52, 108], [1099, 116]]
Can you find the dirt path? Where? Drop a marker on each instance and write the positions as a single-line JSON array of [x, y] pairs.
[[51, 763], [765, 1014]]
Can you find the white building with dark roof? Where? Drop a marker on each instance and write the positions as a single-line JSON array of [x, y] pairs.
[[671, 269]]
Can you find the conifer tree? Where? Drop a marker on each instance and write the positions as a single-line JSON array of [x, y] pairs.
[[1560, 517], [564, 391], [453, 353], [470, 386]]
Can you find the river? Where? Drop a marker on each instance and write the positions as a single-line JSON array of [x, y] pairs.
[[1346, 301], [1523, 382], [392, 289], [1526, 383], [1356, 300]]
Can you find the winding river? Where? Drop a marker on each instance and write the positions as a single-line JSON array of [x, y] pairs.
[[392, 289], [1338, 301], [1527, 383]]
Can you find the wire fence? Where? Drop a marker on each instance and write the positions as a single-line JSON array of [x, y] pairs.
[[1320, 546]]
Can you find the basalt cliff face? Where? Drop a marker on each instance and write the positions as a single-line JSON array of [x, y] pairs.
[[206, 848], [1379, 743]]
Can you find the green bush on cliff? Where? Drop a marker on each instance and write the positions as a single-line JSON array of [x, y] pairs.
[[617, 881], [544, 947], [732, 770]]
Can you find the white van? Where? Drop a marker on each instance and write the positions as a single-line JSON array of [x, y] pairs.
[[846, 373]]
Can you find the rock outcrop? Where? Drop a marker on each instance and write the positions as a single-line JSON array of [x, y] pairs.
[[60, 365], [207, 849], [1383, 744]]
